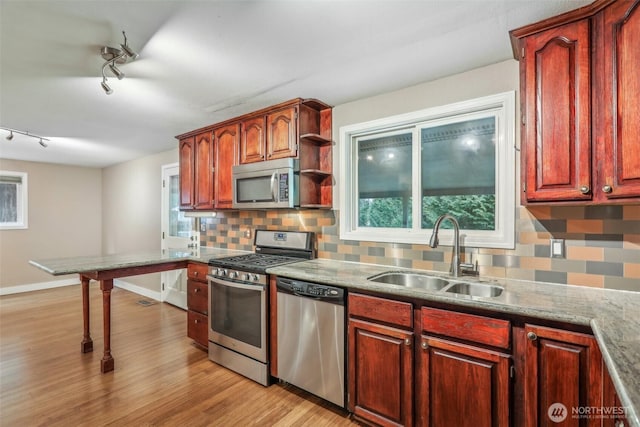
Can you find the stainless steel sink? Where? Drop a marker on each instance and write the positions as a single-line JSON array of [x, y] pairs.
[[411, 280], [475, 289], [436, 283]]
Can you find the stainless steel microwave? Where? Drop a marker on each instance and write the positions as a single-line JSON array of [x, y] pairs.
[[266, 185]]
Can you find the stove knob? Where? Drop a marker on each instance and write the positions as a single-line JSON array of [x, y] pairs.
[[221, 272], [255, 277], [233, 275], [245, 277]]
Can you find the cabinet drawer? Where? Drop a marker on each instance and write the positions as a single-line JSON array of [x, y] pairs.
[[380, 309], [478, 329], [197, 328], [197, 296], [198, 271]]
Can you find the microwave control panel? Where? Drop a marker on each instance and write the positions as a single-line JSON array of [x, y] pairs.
[[283, 187]]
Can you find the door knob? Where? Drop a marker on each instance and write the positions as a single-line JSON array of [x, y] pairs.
[[532, 336]]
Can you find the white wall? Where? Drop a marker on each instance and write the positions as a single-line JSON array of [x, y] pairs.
[[131, 203], [65, 220]]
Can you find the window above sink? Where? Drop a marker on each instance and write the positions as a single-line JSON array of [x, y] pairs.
[[398, 174]]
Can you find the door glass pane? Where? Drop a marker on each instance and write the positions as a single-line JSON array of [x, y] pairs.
[[459, 173], [179, 225], [384, 181]]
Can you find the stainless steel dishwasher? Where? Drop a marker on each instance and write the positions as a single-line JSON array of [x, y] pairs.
[[311, 338]]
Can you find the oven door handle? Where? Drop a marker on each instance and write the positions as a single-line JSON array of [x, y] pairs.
[[237, 285]]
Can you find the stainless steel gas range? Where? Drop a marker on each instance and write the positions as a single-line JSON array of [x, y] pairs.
[[238, 300]]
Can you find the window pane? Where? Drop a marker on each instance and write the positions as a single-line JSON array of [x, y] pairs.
[[384, 181], [8, 202], [458, 173], [179, 225]]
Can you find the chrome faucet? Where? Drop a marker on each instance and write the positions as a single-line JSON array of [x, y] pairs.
[[456, 265]]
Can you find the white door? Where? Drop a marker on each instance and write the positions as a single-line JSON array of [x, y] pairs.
[[177, 232]]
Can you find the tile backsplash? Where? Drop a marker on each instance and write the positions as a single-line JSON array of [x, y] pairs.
[[602, 244]]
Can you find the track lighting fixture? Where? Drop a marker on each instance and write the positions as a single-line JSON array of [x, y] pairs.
[[40, 139], [114, 56]]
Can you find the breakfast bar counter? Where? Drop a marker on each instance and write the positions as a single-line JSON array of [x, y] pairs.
[[106, 268]]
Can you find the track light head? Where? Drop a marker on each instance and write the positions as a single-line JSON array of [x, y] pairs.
[[106, 87], [130, 53], [41, 142], [116, 71], [10, 136]]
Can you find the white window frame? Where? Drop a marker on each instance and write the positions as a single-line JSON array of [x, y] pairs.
[[22, 203], [502, 106]]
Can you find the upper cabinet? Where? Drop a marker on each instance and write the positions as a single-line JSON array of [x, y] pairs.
[[196, 171], [580, 99], [300, 128]]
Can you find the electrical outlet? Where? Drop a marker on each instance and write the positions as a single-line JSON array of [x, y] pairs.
[[247, 233], [557, 248], [203, 226]]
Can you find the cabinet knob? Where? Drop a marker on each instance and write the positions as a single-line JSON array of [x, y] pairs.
[[196, 321], [607, 189], [584, 189], [407, 341], [532, 336], [195, 273], [196, 290], [424, 345]]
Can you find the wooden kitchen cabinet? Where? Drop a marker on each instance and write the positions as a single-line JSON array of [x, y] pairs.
[[463, 384], [299, 128], [560, 367], [198, 304], [196, 172], [226, 149], [380, 343], [580, 99]]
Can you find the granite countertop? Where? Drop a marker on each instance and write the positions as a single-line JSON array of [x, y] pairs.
[[71, 265], [614, 316]]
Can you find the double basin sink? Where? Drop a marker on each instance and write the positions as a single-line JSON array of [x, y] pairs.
[[436, 283]]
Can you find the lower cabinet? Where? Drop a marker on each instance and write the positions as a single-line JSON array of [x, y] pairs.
[[562, 374], [198, 303], [380, 360]]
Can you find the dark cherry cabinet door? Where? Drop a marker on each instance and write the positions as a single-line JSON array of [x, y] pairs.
[[557, 114], [226, 157], [282, 134], [462, 385], [187, 176], [253, 140], [380, 373], [204, 191], [562, 371], [620, 126]]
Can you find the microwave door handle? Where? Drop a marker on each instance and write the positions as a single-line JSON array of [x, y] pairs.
[[274, 194]]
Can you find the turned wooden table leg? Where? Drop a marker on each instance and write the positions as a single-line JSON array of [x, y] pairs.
[[87, 343], [107, 363]]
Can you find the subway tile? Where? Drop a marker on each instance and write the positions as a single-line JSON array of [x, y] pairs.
[[622, 283], [585, 226], [621, 227], [631, 212], [632, 271], [621, 255], [506, 261], [542, 251], [519, 274], [582, 279], [568, 212], [632, 241], [605, 268], [551, 225], [603, 212], [532, 238], [585, 253], [540, 212], [375, 251], [604, 240], [550, 276], [567, 265]]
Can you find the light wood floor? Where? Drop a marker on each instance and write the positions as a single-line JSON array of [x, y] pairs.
[[160, 377]]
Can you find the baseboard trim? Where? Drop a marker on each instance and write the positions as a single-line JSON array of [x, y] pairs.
[[145, 292], [9, 290]]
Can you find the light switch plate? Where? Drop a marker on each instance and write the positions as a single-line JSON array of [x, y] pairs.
[[557, 248]]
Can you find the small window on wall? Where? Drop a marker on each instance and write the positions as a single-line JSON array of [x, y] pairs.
[[13, 200], [399, 174]]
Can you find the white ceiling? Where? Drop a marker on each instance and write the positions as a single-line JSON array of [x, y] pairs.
[[202, 62]]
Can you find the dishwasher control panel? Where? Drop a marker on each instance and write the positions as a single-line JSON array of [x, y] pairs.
[[311, 290]]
